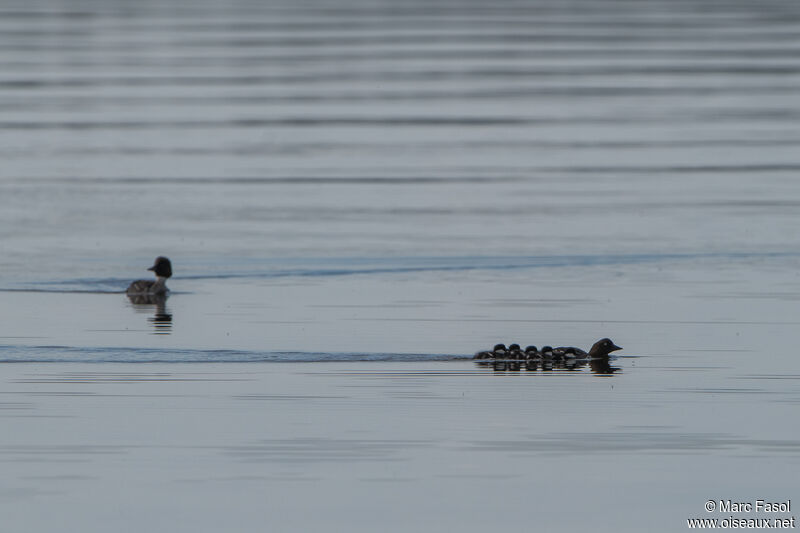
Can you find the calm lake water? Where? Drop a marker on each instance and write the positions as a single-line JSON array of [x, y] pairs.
[[358, 196]]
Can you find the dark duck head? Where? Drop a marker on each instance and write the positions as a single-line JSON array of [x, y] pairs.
[[162, 267], [603, 347]]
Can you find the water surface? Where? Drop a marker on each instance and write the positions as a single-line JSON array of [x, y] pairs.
[[356, 198]]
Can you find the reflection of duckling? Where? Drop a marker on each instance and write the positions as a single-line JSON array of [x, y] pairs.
[[163, 270]]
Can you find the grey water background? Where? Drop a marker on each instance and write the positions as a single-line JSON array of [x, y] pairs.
[[368, 192]]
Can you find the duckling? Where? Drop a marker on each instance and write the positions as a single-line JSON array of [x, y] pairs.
[[514, 351], [498, 352], [162, 268], [531, 352]]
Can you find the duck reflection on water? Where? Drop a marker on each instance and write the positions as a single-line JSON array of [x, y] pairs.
[[162, 317], [601, 367]]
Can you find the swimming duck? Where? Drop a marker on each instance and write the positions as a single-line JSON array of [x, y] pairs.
[[498, 352], [600, 349], [531, 352], [162, 268], [514, 351]]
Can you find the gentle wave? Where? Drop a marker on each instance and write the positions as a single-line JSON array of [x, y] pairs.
[[76, 354], [382, 94], [394, 266], [346, 121], [418, 75]]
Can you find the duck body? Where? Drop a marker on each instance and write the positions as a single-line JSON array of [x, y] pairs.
[[569, 352], [144, 286], [600, 349], [162, 268]]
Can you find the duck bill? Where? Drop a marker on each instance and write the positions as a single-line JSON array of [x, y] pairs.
[[614, 348], [152, 268]]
